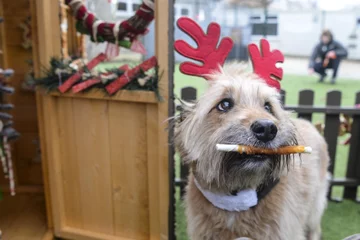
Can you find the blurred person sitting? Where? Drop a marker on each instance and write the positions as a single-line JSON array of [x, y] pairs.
[[327, 55]]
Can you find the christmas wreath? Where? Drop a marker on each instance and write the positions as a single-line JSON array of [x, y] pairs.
[[122, 34]]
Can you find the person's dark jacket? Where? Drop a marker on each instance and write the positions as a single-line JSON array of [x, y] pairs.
[[322, 49]]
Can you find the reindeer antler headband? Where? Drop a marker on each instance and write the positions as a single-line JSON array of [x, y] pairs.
[[212, 55]]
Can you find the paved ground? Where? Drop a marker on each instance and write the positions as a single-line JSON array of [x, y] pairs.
[[298, 66]]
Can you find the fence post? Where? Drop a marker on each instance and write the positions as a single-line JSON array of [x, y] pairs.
[[187, 94], [306, 98], [283, 96], [353, 166], [331, 131]]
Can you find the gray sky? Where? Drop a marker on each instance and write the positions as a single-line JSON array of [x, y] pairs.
[[333, 5]]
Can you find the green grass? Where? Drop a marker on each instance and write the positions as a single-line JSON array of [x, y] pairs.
[[340, 219]]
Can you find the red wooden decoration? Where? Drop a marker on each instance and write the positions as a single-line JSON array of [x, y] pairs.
[[77, 76], [90, 82], [208, 52], [264, 63], [129, 75]]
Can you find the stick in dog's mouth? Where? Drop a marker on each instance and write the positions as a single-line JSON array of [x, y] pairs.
[[267, 151]]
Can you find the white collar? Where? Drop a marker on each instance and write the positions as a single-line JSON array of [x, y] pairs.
[[242, 201]]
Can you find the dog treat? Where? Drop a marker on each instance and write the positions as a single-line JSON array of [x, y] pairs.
[[268, 151]]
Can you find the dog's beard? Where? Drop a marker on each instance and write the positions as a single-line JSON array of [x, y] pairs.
[[238, 171]]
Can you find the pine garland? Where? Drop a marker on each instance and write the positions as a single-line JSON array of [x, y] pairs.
[[61, 70]]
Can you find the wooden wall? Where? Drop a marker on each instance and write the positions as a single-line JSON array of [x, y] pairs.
[[105, 158], [27, 169], [103, 165]]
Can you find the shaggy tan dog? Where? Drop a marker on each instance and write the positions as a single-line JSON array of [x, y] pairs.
[[239, 108]]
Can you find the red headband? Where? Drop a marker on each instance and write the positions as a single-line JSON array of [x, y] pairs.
[[212, 55]]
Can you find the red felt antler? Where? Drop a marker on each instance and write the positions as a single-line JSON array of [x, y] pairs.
[[264, 63], [208, 52]]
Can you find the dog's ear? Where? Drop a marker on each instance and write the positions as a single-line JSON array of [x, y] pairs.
[[186, 108]]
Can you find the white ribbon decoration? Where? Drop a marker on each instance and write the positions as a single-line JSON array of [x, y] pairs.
[[116, 32], [77, 4], [149, 3], [95, 29]]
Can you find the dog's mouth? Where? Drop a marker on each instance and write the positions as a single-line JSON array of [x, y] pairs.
[[239, 158], [254, 161]]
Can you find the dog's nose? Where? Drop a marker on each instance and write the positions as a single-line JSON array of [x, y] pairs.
[[265, 130]]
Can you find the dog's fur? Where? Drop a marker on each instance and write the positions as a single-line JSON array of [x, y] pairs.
[[293, 209]]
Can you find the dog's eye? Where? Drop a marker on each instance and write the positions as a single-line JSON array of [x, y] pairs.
[[225, 105], [268, 107]]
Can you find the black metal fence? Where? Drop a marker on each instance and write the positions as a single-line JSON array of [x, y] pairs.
[[305, 109]]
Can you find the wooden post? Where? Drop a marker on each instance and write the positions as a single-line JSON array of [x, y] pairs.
[[187, 94], [47, 37], [163, 24], [353, 166], [283, 96], [331, 130], [306, 98]]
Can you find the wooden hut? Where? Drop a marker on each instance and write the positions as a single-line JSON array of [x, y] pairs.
[[104, 163]]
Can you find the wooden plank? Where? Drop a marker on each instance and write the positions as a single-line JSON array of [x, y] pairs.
[[306, 98], [53, 156], [129, 169], [163, 54], [3, 56], [48, 37], [122, 95], [353, 166], [90, 119], [70, 165], [27, 171], [24, 189], [153, 170], [44, 159], [347, 182], [34, 38], [23, 217], [49, 34], [49, 235], [64, 37], [331, 130], [329, 110], [80, 234], [28, 168]]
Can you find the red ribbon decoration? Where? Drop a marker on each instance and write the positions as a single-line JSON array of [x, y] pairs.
[[90, 82], [77, 76], [129, 75]]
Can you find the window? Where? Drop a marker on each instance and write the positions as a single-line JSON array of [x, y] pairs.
[[260, 28], [122, 6], [184, 12], [126, 8], [182, 9], [255, 18], [272, 18], [135, 6]]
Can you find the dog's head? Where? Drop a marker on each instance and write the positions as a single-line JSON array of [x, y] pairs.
[[237, 108]]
